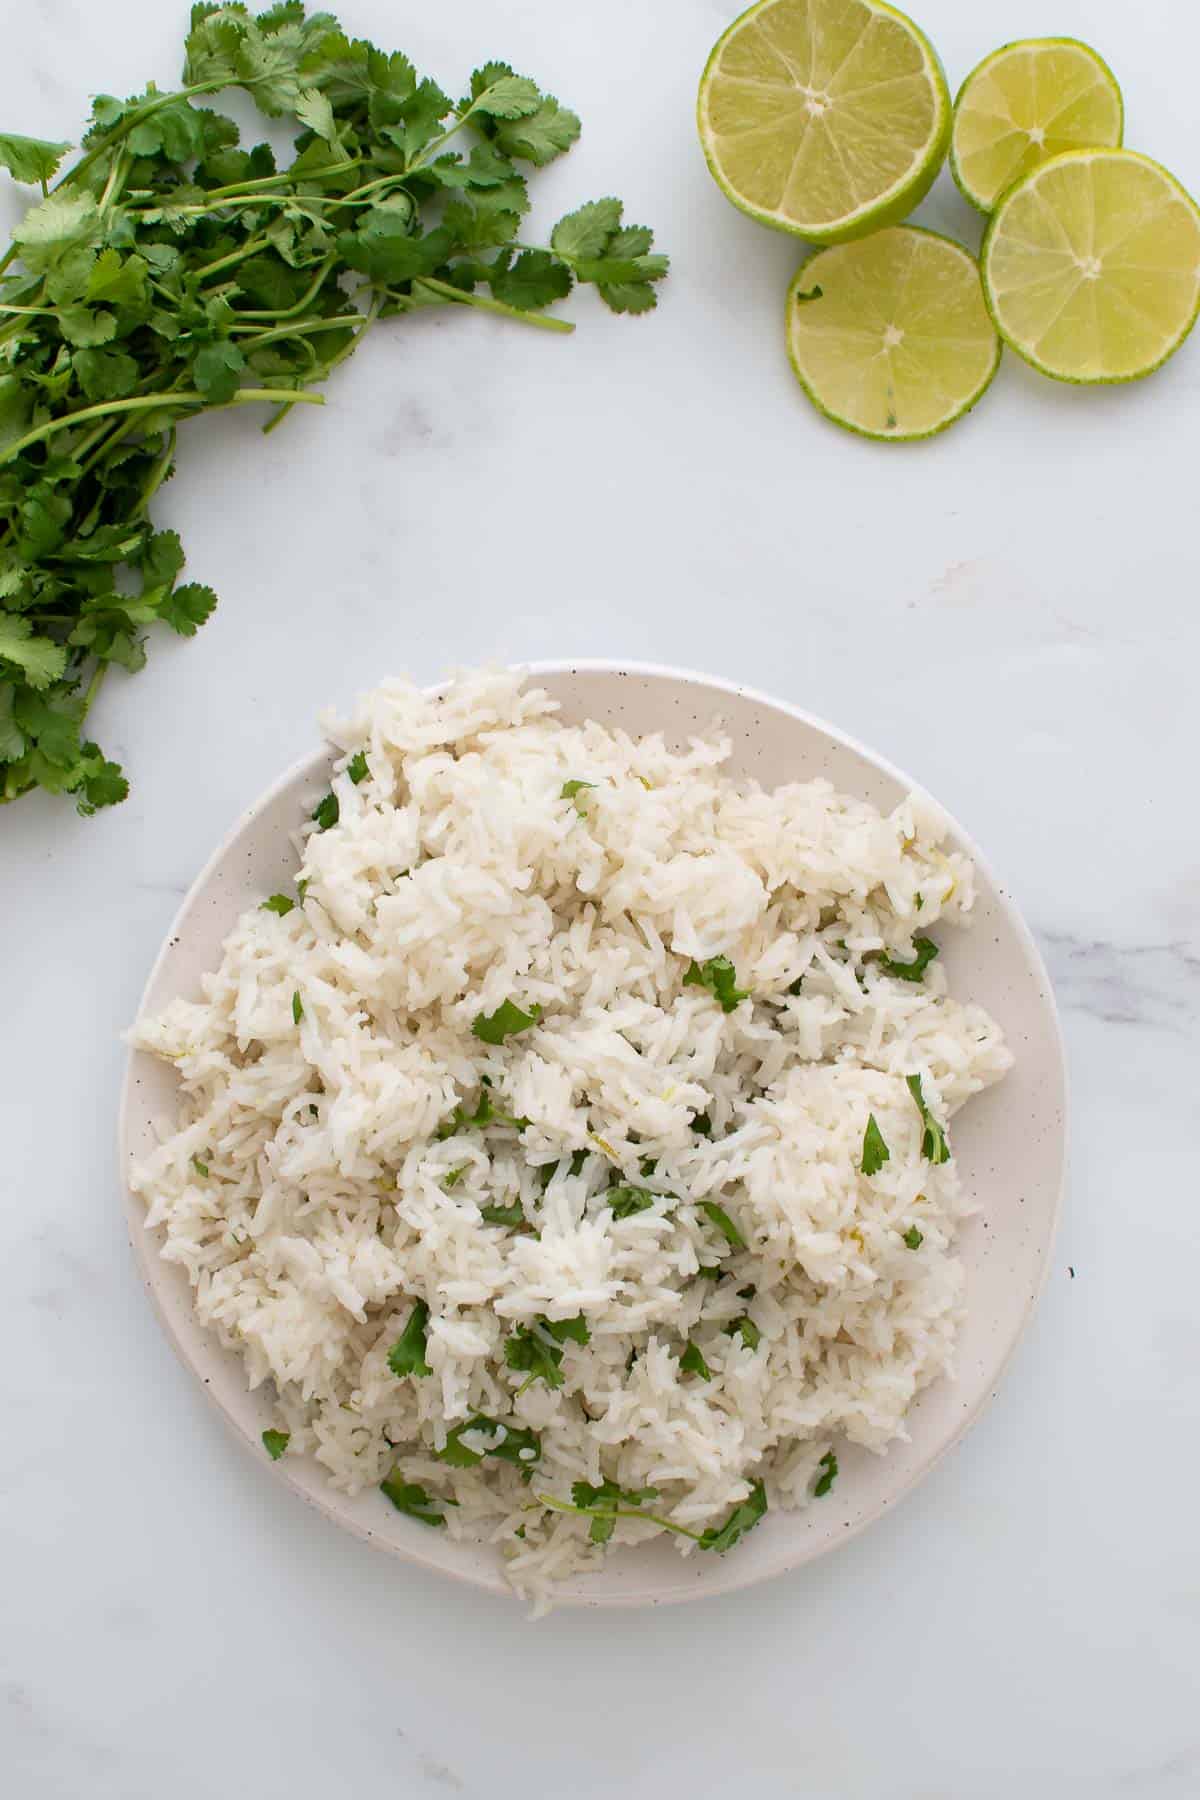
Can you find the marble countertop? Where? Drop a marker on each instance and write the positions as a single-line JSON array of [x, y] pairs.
[[1011, 614]]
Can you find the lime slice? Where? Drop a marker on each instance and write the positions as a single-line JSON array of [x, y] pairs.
[[1091, 266], [890, 337], [1025, 104], [828, 118]]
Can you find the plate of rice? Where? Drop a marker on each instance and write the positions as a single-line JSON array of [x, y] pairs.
[[596, 1131]]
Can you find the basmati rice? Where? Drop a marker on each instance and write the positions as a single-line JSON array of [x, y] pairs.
[[325, 1175]]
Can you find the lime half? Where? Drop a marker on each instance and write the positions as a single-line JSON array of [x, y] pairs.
[[890, 337], [1025, 104], [1091, 266], [829, 118]]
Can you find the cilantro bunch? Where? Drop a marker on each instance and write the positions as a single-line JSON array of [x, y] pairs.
[[169, 271]]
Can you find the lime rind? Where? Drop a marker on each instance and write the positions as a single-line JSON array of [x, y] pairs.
[[1022, 45], [809, 274], [888, 208], [996, 224]]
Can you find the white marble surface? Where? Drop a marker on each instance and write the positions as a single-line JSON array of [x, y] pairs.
[[1011, 614]]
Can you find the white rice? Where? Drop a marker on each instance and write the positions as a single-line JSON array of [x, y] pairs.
[[459, 877]]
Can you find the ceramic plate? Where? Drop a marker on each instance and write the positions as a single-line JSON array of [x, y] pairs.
[[1009, 1141]]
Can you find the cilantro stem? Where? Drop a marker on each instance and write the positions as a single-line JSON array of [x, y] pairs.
[[98, 443], [355, 197], [618, 1512], [93, 687], [430, 151], [447, 291], [269, 181], [199, 212], [235, 256], [265, 335], [120, 168], [159, 472], [302, 304], [368, 319], [243, 397]]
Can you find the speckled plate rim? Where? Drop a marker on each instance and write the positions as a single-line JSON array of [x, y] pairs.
[[654, 1574]]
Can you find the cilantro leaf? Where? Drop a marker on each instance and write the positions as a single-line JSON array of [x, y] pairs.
[[534, 280], [407, 1354], [409, 1497], [874, 1150], [62, 223], [313, 109], [53, 729], [587, 232], [217, 371], [275, 1443], [536, 137], [327, 814], [625, 1200], [503, 1215], [914, 1238], [85, 326], [487, 218], [162, 559], [97, 782], [935, 1146], [692, 1363], [297, 1007], [603, 1501], [536, 1349], [504, 95], [702, 1124], [105, 374], [186, 608], [30, 159], [717, 1216], [615, 258], [201, 1168], [829, 1465], [514, 1444], [576, 790], [507, 1021], [926, 950], [744, 1517], [747, 1330], [39, 659], [719, 976], [529, 1352], [383, 247], [459, 1120], [280, 904], [574, 1330], [119, 280], [357, 768], [12, 738], [629, 241]]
